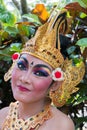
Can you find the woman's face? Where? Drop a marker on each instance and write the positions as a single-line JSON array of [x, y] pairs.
[[30, 79]]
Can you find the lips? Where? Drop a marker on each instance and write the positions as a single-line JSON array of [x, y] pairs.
[[23, 89]]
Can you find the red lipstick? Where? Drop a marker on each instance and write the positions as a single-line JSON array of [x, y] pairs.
[[23, 89]]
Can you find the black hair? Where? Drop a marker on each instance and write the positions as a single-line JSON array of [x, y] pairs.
[[64, 44]]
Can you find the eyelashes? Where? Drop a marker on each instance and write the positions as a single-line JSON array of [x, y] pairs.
[[22, 65], [40, 72], [37, 70]]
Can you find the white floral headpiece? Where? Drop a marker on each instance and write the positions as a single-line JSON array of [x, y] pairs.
[[57, 74]]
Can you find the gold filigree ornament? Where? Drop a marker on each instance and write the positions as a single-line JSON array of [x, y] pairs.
[[72, 76], [45, 45], [13, 122]]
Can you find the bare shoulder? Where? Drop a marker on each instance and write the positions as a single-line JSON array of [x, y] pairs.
[[62, 121], [3, 114], [59, 121]]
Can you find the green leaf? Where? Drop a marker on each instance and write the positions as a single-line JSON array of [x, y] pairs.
[[7, 18], [32, 18], [16, 47], [77, 60], [80, 100], [80, 121], [1, 1], [32, 30], [12, 31], [71, 49], [82, 42], [5, 54], [83, 15], [24, 30], [83, 3], [79, 96], [4, 35]]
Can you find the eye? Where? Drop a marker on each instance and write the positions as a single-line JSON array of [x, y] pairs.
[[21, 65], [41, 73]]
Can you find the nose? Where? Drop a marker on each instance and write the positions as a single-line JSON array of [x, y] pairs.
[[26, 78]]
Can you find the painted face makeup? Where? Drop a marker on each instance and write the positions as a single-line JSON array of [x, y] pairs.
[[39, 70], [22, 63], [31, 79]]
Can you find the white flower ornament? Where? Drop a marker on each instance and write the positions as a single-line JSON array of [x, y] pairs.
[[57, 75]]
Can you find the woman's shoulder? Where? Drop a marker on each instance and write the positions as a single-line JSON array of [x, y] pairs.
[[3, 114], [62, 120], [59, 121], [4, 111]]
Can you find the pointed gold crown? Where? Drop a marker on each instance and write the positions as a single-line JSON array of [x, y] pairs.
[[45, 44]]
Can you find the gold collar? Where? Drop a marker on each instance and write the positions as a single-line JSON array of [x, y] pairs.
[[32, 123]]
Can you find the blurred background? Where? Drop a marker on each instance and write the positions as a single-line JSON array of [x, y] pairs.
[[19, 20]]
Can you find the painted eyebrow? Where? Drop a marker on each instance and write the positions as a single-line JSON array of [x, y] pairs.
[[37, 65], [42, 65], [24, 59]]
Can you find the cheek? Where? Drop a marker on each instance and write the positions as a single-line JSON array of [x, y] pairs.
[[15, 75], [42, 85]]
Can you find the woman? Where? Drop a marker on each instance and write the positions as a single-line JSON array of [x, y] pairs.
[[41, 77]]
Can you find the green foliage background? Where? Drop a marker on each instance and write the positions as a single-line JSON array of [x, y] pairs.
[[13, 35]]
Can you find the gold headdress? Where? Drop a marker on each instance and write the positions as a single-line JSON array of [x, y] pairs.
[[45, 45]]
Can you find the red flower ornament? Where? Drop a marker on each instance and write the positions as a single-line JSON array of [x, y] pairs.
[[15, 56], [57, 75]]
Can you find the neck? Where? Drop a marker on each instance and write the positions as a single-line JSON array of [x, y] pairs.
[[26, 110]]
